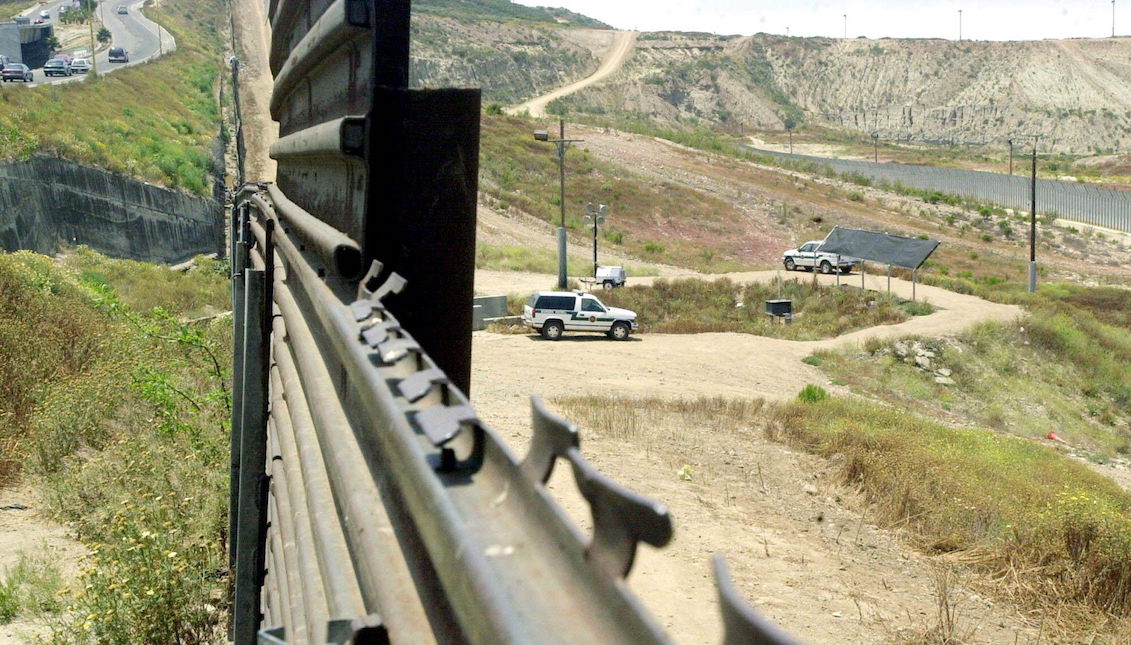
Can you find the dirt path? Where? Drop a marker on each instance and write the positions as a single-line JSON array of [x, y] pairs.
[[617, 54], [27, 532], [801, 549], [253, 39]]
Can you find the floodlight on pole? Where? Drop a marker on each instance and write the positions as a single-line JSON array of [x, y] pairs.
[[595, 214], [544, 135]]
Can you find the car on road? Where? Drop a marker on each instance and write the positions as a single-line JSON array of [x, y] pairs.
[[56, 67], [552, 313], [16, 72], [809, 256], [122, 10], [118, 55], [45, 15], [80, 66]]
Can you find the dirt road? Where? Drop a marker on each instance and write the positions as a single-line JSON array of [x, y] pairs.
[[801, 548], [621, 48], [715, 364]]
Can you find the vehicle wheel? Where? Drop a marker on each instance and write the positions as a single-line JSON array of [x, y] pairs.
[[620, 330], [846, 270], [826, 267], [789, 265], [553, 330], [607, 285]]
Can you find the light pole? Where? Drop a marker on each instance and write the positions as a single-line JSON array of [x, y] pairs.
[[1010, 156], [846, 26], [875, 147], [1033, 222], [543, 135], [1113, 18], [959, 25], [597, 215]]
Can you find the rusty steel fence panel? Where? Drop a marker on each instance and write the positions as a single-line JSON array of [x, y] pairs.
[[370, 503]]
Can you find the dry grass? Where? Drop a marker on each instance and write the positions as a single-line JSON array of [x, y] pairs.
[[1035, 525], [648, 219], [123, 417], [690, 306], [155, 121]]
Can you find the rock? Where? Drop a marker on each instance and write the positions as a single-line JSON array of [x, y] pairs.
[[923, 362], [944, 380], [810, 489], [944, 372], [900, 349]]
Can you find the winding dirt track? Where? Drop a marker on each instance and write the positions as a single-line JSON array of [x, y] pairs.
[[678, 365], [617, 54]]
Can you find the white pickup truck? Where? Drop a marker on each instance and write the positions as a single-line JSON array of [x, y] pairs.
[[809, 256]]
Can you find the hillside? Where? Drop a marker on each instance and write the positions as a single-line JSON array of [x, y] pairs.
[[1073, 93]]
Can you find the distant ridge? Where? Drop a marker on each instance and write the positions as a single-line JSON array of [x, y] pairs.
[[504, 10]]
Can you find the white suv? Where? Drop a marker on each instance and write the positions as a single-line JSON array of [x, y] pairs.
[[552, 313]]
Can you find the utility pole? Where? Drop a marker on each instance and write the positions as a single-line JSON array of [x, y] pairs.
[[597, 215], [93, 58], [543, 135]]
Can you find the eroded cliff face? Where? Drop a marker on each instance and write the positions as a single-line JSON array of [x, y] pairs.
[[1076, 94], [510, 61]]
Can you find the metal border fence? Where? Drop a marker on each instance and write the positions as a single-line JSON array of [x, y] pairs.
[[369, 502]]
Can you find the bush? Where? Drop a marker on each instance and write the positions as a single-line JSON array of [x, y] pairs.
[[812, 393]]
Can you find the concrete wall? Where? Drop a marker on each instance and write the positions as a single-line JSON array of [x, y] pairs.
[[46, 203], [10, 42]]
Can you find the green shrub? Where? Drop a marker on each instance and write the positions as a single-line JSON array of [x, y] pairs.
[[812, 394]]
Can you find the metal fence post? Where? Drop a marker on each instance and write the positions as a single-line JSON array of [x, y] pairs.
[[252, 463], [239, 268]]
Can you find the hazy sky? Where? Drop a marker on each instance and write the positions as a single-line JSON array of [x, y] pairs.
[[982, 20]]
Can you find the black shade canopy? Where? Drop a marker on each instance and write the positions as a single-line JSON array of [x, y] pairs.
[[907, 252]]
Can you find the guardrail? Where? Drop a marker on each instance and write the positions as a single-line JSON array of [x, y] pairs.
[[370, 503]]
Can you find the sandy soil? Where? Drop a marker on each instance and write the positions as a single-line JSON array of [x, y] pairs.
[[253, 39], [28, 532], [801, 549], [614, 58]]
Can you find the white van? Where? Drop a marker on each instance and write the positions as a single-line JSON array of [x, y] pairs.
[[552, 313]]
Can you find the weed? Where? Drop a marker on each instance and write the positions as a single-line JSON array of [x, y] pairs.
[[812, 394], [137, 466], [690, 306], [29, 588], [813, 360]]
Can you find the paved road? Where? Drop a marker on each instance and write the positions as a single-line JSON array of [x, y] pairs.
[[140, 36]]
